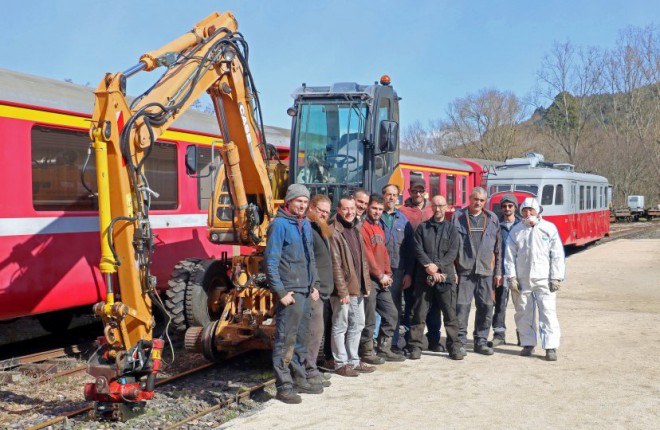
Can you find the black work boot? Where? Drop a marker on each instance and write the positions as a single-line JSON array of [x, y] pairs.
[[482, 348], [527, 351], [288, 396], [385, 350]]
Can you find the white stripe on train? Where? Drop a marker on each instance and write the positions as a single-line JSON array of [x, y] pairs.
[[87, 224]]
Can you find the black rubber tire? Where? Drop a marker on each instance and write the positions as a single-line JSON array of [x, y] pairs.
[[209, 275], [175, 301]]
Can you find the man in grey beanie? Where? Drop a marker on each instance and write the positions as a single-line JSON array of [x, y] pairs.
[[508, 218], [294, 281]]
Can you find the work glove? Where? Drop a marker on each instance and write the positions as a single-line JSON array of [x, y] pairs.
[[514, 285], [555, 285]]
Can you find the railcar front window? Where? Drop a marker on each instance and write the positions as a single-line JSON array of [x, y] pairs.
[[330, 143], [528, 188], [546, 197]]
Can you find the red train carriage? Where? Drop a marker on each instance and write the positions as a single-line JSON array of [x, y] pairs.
[[577, 203], [49, 240], [448, 176]]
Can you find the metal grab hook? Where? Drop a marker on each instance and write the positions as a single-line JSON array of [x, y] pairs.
[[150, 191]]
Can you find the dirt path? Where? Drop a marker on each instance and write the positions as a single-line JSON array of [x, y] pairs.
[[608, 373]]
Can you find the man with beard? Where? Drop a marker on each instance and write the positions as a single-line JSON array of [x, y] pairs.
[[321, 320], [380, 299], [292, 276], [508, 220]]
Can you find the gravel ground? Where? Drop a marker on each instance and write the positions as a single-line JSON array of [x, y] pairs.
[[593, 386], [25, 404]]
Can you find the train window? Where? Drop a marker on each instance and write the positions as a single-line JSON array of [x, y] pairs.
[[593, 194], [434, 184], [451, 188], [463, 190], [534, 189], [546, 197], [581, 197], [161, 171], [559, 195], [588, 197], [57, 159], [206, 177]]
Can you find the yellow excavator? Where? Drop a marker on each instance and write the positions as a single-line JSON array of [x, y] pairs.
[[344, 136], [211, 58]]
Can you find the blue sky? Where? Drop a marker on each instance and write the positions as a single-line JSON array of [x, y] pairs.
[[434, 51]]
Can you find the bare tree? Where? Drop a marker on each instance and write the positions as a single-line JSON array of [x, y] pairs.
[[569, 76], [418, 138], [487, 120], [630, 116]]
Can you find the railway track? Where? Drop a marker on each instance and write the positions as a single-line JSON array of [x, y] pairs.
[[239, 397]]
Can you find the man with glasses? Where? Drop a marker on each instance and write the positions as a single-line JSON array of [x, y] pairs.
[[479, 264], [417, 210], [436, 247], [509, 218], [321, 319]]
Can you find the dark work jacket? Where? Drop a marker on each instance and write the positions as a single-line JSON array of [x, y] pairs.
[[437, 243], [323, 261], [289, 255], [487, 259]]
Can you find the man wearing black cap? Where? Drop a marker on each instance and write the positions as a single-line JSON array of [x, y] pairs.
[[508, 219]]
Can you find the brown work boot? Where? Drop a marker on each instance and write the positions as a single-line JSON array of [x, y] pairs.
[[364, 368], [347, 370]]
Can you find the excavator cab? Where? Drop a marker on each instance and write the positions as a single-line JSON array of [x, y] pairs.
[[345, 136]]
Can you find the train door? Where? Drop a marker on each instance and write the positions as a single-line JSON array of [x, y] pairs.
[[572, 211]]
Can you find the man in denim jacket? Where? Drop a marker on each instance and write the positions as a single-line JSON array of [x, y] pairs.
[[293, 279]]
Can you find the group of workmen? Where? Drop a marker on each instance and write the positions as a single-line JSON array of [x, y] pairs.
[[373, 278]]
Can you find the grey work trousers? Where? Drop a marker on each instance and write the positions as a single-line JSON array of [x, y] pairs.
[[379, 300], [291, 339], [316, 329], [479, 288], [347, 325]]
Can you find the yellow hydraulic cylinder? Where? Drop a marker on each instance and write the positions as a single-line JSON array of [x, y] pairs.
[[108, 263]]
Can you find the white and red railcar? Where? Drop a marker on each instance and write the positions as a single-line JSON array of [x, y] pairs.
[[577, 203], [49, 240]]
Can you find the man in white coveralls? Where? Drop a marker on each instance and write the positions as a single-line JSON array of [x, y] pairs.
[[534, 265]]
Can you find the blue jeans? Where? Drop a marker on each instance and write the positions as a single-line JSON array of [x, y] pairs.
[[291, 339]]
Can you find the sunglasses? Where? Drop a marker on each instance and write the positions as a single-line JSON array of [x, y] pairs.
[[508, 206], [416, 191]]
